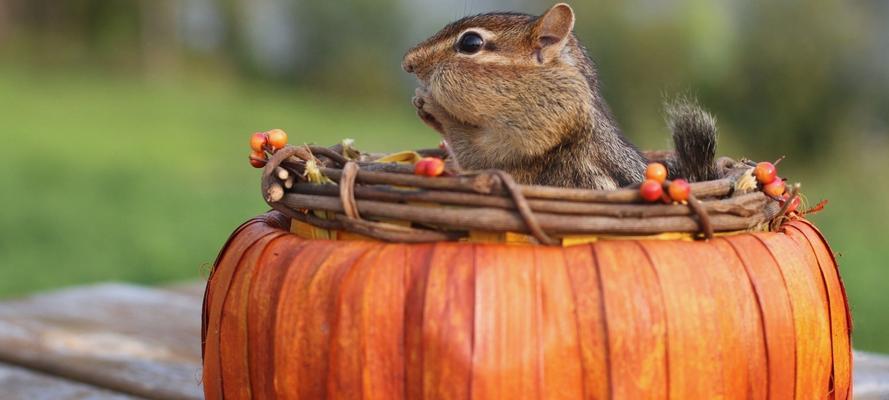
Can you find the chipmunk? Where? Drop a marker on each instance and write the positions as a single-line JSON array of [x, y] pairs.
[[519, 93]]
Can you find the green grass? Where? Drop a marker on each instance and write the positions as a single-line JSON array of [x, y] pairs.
[[103, 178], [107, 178]]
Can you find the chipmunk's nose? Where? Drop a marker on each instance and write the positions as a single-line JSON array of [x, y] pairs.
[[408, 67], [414, 60], [409, 63]]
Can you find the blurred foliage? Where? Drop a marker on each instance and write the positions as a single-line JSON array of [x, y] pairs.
[[789, 75], [125, 123]]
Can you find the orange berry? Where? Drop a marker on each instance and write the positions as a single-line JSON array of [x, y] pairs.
[[765, 172], [656, 171], [258, 141], [679, 190], [277, 138], [429, 166], [651, 190], [257, 159], [774, 188]]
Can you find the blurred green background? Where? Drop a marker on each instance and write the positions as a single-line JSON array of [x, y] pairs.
[[125, 123]]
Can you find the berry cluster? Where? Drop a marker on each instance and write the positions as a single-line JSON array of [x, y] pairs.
[[652, 189], [767, 175], [262, 143]]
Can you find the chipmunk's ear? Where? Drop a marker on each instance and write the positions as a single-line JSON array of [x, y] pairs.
[[552, 31]]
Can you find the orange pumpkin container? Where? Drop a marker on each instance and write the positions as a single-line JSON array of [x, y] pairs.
[[748, 315], [619, 303]]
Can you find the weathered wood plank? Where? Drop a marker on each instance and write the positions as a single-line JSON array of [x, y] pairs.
[[17, 383], [135, 340], [871, 376], [194, 289]]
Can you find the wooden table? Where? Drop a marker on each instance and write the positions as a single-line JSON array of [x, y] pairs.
[[119, 341], [107, 341]]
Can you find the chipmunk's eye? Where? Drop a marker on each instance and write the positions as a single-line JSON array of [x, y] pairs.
[[470, 43]]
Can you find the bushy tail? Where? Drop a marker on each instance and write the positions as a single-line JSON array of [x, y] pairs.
[[694, 140]]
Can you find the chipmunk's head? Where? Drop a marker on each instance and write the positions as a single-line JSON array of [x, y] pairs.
[[496, 39], [523, 80]]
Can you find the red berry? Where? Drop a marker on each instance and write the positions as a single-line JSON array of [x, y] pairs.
[[679, 190], [651, 190], [429, 166], [257, 159], [258, 141], [656, 171], [277, 138], [775, 188], [765, 172]]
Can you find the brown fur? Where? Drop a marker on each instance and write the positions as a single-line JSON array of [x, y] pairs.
[[527, 103]]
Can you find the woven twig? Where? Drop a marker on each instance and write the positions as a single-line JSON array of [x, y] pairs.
[[524, 209], [743, 205], [703, 218], [500, 220], [347, 190], [366, 192], [378, 230]]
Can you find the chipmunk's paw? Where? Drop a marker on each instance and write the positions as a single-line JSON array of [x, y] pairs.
[[418, 101], [426, 110], [428, 119]]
